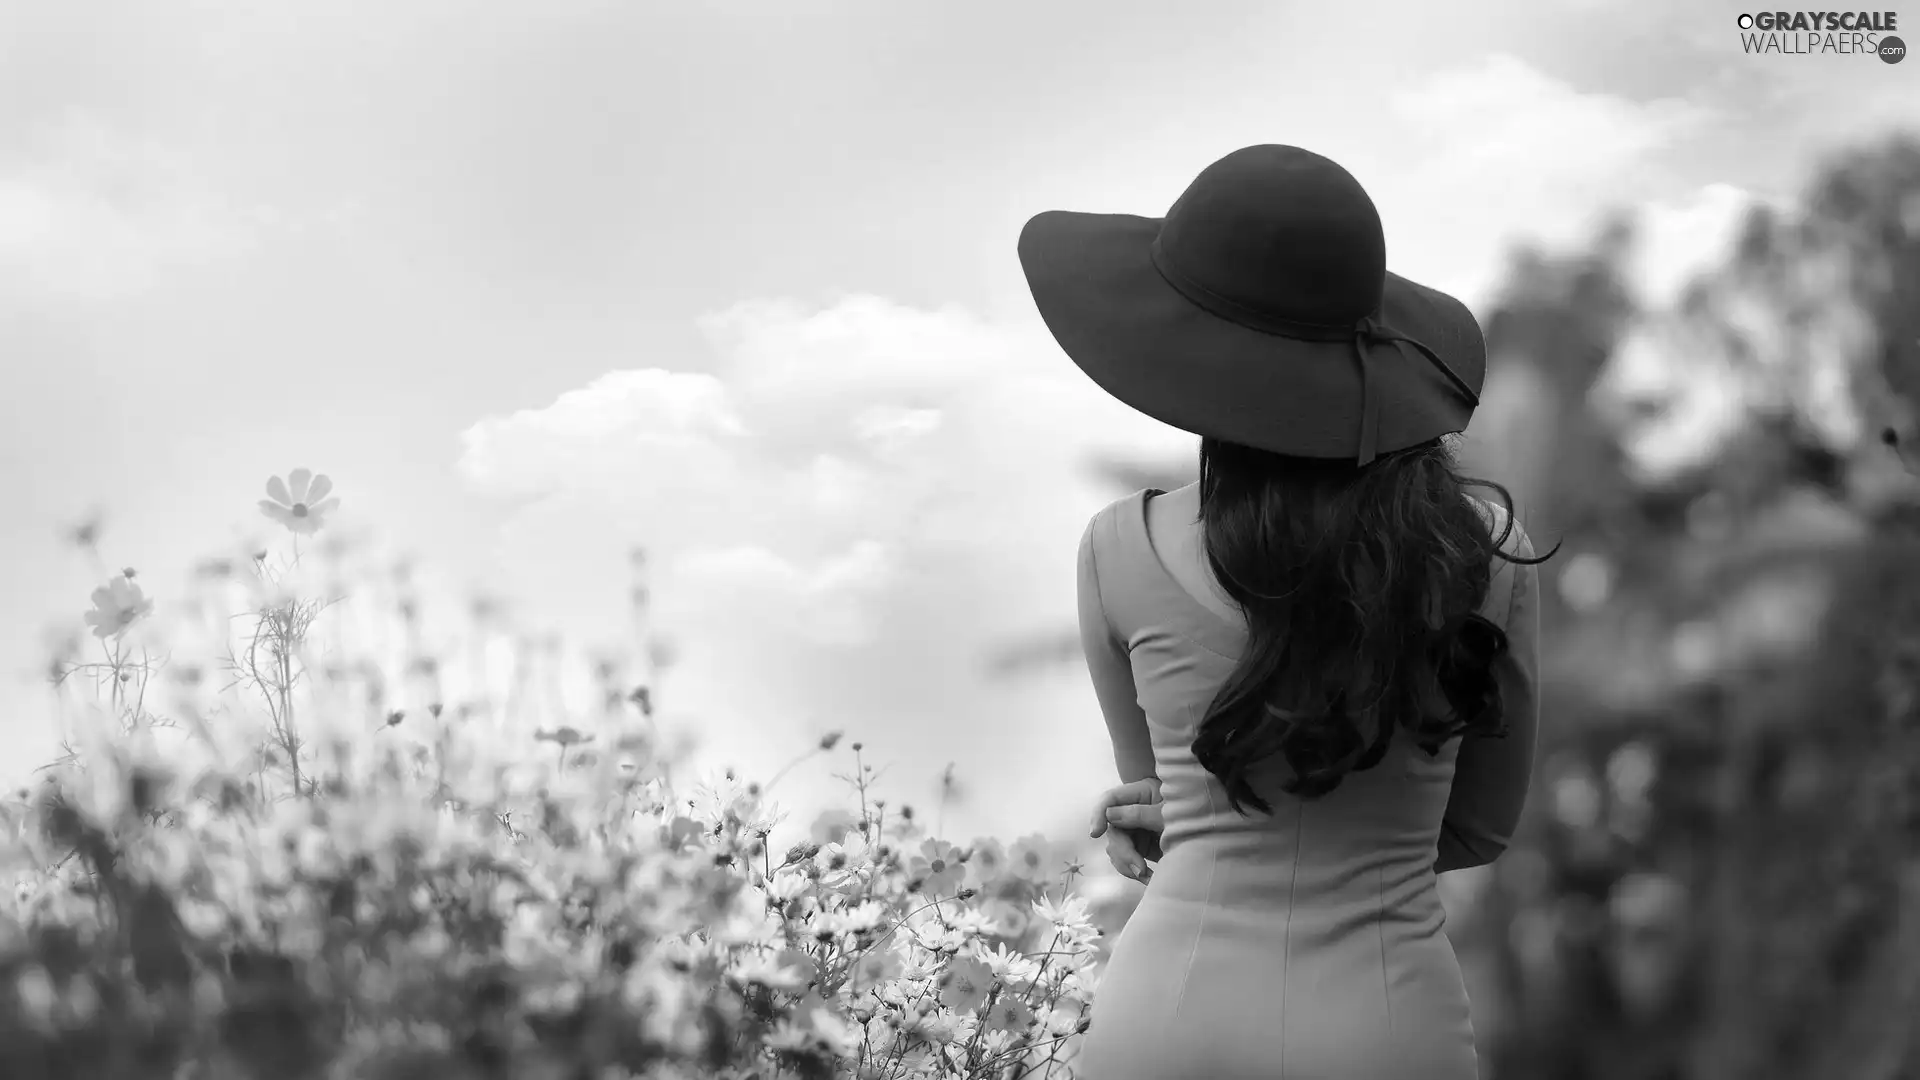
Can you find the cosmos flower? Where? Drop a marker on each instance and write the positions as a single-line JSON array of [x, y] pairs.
[[937, 867], [117, 605], [965, 985], [300, 501], [1009, 1014], [1031, 858], [987, 860]]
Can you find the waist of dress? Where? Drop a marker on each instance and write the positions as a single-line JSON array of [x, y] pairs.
[[1240, 870]]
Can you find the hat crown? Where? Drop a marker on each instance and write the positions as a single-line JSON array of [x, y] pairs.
[[1280, 233]]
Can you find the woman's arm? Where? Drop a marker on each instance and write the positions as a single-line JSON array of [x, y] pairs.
[[1491, 776], [1112, 673]]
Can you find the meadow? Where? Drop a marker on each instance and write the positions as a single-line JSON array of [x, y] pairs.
[[257, 863]]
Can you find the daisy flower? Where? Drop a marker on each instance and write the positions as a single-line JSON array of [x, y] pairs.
[[300, 501], [117, 605], [785, 886], [841, 863], [1009, 966], [972, 922], [1069, 914], [767, 971], [861, 917]]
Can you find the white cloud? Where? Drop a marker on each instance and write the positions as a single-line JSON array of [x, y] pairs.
[[847, 517], [831, 603], [96, 213], [1499, 152]]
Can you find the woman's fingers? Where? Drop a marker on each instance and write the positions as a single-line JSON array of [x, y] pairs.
[[1146, 816], [1124, 856], [1139, 791]]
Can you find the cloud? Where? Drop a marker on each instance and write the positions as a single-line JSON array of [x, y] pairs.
[[849, 513], [1502, 124], [94, 213], [1498, 152]]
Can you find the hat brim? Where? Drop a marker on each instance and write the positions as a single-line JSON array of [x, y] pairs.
[[1142, 341]]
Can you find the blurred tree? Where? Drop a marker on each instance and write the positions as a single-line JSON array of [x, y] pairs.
[[1720, 874]]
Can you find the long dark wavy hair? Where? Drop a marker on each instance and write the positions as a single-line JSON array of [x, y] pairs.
[[1361, 587]]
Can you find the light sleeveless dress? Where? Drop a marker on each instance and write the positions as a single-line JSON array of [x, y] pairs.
[[1306, 945]]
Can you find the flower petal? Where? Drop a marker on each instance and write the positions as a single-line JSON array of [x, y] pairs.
[[321, 508], [279, 513], [298, 480], [277, 490], [318, 490]]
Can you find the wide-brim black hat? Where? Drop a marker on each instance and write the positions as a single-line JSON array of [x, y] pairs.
[[1259, 311]]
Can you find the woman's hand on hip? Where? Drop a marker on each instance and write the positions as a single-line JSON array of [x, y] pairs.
[[1130, 818]]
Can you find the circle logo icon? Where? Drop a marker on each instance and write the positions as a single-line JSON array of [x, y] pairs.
[[1745, 22], [1892, 50]]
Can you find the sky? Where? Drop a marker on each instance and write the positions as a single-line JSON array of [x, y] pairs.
[[536, 283]]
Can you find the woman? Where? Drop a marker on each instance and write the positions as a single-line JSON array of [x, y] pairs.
[[1317, 664]]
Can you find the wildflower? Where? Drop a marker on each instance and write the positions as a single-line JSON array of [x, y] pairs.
[[117, 605], [971, 921], [965, 985], [994, 1042], [1009, 966], [861, 918], [769, 972], [789, 1036], [986, 860], [300, 501], [1070, 914], [564, 736], [879, 966], [831, 825], [841, 863], [1031, 857], [937, 867], [1061, 1021], [1009, 1014], [1010, 919], [929, 1023], [834, 1035], [783, 887]]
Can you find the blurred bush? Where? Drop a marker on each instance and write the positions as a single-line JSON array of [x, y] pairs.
[[1720, 873]]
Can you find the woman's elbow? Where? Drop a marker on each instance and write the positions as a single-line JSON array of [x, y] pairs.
[[1461, 850]]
